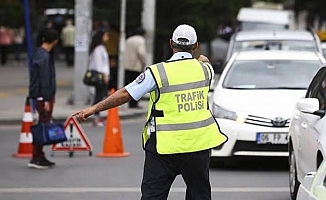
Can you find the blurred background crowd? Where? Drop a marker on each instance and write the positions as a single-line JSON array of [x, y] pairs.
[[212, 19]]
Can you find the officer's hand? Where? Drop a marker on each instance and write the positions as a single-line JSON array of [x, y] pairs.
[[106, 80], [82, 115], [203, 58], [46, 106]]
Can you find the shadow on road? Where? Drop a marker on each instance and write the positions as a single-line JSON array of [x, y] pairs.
[[251, 164]]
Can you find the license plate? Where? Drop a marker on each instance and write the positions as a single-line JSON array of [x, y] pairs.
[[272, 138]]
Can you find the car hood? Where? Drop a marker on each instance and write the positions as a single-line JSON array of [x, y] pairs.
[[263, 103]]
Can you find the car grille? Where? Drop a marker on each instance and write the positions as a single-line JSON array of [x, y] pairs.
[[261, 121], [253, 146]]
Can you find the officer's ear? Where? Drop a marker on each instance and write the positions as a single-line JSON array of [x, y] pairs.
[[171, 44], [196, 45]]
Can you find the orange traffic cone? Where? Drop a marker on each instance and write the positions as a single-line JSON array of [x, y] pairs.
[[25, 146], [112, 145]]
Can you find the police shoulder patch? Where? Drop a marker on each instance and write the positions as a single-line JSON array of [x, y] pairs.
[[140, 78]]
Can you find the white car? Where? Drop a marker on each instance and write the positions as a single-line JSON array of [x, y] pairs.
[[313, 186], [274, 40], [254, 99], [307, 133]]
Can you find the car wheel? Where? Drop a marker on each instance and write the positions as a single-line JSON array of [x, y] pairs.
[[293, 177]]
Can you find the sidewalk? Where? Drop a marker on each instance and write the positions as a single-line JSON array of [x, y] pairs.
[[14, 80]]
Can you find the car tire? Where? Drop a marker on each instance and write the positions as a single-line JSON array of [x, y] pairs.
[[293, 177]]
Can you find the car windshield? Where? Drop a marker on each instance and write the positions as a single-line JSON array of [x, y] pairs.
[[262, 26], [271, 74], [300, 45]]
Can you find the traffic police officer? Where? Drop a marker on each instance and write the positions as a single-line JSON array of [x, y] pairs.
[[180, 130]]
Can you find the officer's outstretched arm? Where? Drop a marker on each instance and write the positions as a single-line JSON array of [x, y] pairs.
[[116, 99]]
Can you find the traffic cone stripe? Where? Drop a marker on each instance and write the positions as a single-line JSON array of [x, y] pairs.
[[25, 146], [28, 117], [26, 138]]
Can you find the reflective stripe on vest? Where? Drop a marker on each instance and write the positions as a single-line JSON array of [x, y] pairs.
[[185, 126], [167, 88]]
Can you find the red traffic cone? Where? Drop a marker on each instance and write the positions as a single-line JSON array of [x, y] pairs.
[[25, 147], [112, 145]]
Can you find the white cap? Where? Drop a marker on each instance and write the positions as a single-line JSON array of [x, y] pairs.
[[186, 32]]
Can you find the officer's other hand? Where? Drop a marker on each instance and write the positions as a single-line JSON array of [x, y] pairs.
[[203, 58], [82, 115], [46, 106], [106, 80]]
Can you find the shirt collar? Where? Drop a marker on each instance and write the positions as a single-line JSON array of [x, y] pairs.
[[180, 55]]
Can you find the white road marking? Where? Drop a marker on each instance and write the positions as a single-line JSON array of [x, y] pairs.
[[135, 189]]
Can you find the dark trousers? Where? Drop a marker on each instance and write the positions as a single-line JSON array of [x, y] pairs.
[[18, 50], [69, 54], [100, 93], [113, 82], [130, 76], [44, 117], [161, 170], [4, 50]]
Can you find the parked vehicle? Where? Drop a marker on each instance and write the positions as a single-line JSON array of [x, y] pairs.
[[307, 138], [264, 19], [313, 186], [274, 40], [254, 98]]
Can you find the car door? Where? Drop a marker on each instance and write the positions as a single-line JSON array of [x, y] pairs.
[[312, 126], [297, 130]]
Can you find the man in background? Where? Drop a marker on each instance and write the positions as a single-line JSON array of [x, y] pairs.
[[135, 59], [68, 42]]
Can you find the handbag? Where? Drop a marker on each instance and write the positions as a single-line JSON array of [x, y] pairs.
[[48, 133], [93, 78]]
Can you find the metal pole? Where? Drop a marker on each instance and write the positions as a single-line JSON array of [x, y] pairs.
[[83, 21], [29, 43], [122, 43], [148, 22]]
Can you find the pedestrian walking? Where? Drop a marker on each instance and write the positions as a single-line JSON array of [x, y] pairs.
[[99, 61], [134, 59], [68, 42], [19, 36], [42, 88], [6, 39], [180, 130]]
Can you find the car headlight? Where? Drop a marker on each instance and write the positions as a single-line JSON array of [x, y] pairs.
[[220, 112]]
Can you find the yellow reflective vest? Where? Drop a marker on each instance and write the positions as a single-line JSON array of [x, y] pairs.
[[183, 121]]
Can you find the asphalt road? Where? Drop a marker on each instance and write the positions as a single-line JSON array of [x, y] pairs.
[[82, 177]]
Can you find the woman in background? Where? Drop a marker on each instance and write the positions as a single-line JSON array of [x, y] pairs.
[[99, 61]]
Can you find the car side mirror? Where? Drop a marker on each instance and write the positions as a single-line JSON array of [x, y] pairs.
[[310, 106]]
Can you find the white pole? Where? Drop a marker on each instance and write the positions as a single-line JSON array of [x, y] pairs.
[[83, 24], [122, 43], [148, 22]]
